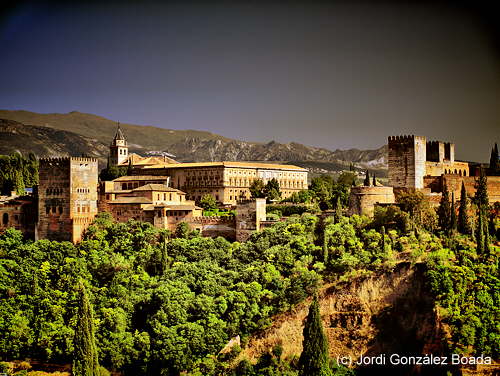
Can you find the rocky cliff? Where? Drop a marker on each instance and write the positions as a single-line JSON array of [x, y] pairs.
[[389, 313]]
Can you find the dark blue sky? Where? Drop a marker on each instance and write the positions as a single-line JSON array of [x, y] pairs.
[[336, 76]]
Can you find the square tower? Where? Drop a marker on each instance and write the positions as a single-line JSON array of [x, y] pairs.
[[407, 156], [67, 197]]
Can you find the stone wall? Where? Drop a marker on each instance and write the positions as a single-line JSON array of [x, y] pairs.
[[454, 183], [362, 200]]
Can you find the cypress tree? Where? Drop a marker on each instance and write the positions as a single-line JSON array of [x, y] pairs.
[[482, 202], [374, 181], [367, 179], [338, 210], [85, 361], [314, 358], [494, 164], [463, 221], [453, 220], [382, 245], [480, 235], [129, 167], [444, 210]]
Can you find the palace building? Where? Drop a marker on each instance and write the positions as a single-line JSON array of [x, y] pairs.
[[228, 182]]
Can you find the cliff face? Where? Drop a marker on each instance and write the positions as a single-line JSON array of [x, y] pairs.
[[391, 313]]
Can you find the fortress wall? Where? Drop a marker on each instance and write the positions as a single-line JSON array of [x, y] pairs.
[[362, 200]]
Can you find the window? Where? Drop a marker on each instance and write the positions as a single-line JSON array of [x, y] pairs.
[[5, 219]]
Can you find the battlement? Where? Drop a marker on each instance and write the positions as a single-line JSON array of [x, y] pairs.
[[212, 219], [403, 139], [62, 160]]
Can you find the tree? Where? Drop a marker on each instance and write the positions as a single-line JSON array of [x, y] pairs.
[[482, 202], [367, 179], [130, 168], [182, 230], [453, 219], [444, 210], [257, 189], [208, 202], [85, 362], [382, 239], [374, 181], [314, 358], [464, 226], [494, 163], [338, 210], [272, 190]]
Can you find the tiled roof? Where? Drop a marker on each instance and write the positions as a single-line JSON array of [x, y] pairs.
[[130, 200], [157, 187], [142, 177], [265, 166]]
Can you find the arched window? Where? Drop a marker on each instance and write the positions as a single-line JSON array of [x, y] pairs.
[[5, 219], [465, 172]]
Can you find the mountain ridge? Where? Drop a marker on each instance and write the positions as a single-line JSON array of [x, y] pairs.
[[96, 133]]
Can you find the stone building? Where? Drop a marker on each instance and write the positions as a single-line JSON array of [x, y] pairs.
[[67, 197], [228, 182], [146, 199], [427, 166], [19, 212], [412, 158]]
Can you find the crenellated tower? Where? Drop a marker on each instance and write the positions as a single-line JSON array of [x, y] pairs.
[[67, 197], [118, 150], [407, 157]]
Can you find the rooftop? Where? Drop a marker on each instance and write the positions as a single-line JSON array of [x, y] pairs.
[[130, 200], [157, 187], [142, 177], [264, 166]]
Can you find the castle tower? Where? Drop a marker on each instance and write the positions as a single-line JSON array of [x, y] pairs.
[[407, 156], [67, 197], [118, 150]]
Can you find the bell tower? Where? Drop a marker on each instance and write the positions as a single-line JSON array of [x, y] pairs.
[[118, 150]]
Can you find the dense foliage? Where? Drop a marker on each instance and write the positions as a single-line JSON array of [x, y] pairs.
[[164, 303], [17, 173]]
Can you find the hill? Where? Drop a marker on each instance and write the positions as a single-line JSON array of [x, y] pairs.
[[192, 145]]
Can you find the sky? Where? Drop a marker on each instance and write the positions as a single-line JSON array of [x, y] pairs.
[[333, 75]]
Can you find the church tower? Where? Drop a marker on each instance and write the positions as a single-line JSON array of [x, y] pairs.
[[118, 150]]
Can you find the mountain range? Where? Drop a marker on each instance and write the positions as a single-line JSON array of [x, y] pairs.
[[77, 133]]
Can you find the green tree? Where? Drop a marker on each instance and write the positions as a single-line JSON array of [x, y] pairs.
[[257, 189], [453, 219], [494, 161], [366, 183], [444, 210], [272, 190], [85, 362], [314, 358], [208, 202], [482, 202], [338, 210], [464, 225], [182, 230]]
